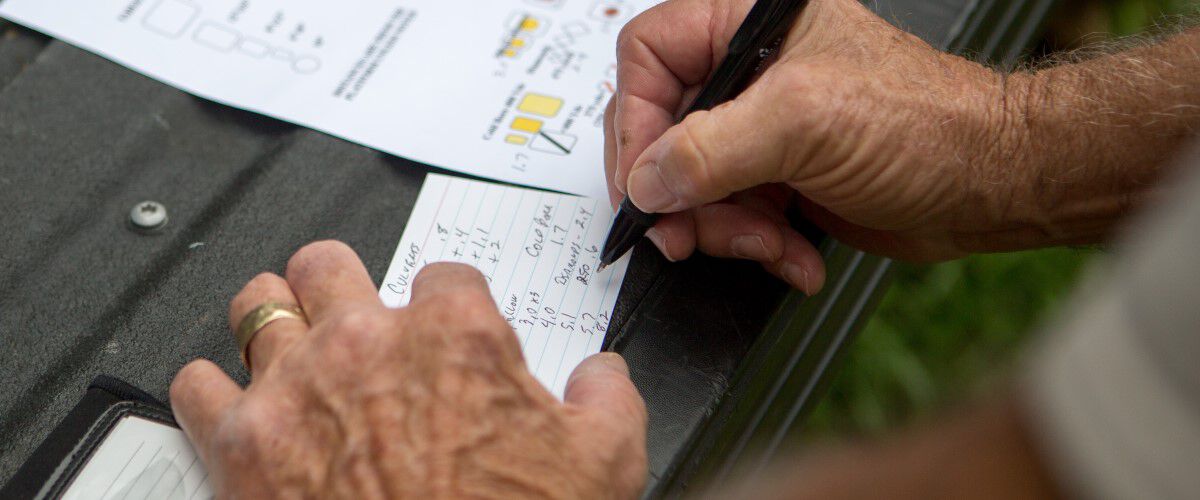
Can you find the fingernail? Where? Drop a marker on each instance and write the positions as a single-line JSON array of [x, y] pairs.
[[617, 182], [605, 362], [614, 362], [659, 241], [797, 277], [751, 247], [648, 190]]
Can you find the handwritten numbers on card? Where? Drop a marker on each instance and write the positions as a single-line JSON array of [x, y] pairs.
[[539, 252]]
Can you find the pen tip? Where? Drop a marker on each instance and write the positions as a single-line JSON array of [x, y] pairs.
[[601, 268]]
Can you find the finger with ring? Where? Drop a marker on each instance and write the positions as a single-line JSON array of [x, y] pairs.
[[266, 319]]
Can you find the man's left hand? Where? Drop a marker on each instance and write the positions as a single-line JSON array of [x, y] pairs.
[[432, 400]]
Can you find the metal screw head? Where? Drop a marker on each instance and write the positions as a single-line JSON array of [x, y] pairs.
[[148, 215]]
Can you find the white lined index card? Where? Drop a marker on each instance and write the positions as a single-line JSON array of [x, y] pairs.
[[539, 251]]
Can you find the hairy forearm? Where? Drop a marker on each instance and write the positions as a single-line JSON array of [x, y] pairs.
[[1086, 141]]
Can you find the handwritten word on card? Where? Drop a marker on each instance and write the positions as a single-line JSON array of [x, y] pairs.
[[539, 252]]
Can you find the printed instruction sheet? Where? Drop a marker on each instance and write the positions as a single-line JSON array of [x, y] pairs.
[[142, 458], [513, 90], [539, 252]]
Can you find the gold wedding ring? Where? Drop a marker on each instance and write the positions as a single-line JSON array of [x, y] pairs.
[[258, 319]]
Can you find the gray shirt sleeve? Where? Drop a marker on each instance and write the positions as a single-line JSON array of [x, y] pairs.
[[1113, 392]]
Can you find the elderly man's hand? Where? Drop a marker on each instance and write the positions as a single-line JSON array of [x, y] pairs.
[[432, 400], [885, 142]]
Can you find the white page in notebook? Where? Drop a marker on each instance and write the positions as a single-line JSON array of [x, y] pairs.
[[141, 458], [539, 252]]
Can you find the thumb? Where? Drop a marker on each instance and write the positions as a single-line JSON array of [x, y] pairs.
[[710, 155], [601, 384]]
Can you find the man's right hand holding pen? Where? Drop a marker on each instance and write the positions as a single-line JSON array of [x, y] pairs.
[[882, 141]]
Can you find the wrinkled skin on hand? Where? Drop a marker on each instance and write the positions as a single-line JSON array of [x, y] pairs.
[[881, 140], [429, 401]]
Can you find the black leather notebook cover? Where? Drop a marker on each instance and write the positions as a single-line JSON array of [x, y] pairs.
[[56, 462]]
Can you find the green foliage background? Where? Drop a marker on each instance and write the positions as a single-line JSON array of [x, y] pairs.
[[944, 331], [1127, 17], [940, 333]]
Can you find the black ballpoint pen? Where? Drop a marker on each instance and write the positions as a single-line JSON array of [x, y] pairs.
[[759, 36]]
